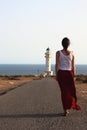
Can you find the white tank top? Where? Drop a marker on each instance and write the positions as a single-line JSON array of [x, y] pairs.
[[65, 61]]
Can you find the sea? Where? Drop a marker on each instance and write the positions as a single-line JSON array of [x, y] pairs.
[[33, 69]]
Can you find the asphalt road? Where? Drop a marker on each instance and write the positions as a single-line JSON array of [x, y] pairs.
[[37, 106]]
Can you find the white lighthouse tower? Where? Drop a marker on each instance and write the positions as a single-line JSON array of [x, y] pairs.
[[48, 62]]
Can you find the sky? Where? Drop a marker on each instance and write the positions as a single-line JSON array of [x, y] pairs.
[[29, 27]]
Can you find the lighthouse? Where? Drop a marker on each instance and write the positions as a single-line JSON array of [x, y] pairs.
[[48, 62]]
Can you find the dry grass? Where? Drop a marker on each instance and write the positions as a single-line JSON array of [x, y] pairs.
[[81, 78], [10, 82]]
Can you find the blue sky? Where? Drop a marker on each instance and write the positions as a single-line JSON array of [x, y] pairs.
[[28, 27]]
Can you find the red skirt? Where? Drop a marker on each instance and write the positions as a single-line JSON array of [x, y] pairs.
[[68, 91]]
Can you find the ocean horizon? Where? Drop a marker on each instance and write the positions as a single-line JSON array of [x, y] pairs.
[[34, 69]]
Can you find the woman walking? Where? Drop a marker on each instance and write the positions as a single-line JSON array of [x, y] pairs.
[[65, 72]]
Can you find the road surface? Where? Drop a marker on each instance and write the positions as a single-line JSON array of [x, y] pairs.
[[37, 106]]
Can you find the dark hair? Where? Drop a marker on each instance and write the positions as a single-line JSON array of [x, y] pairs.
[[65, 43]]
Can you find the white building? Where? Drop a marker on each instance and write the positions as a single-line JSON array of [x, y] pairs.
[[48, 71]]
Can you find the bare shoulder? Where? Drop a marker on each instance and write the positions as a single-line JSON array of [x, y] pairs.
[[72, 53], [73, 56], [57, 53]]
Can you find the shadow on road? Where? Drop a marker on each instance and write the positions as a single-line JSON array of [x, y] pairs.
[[32, 115]]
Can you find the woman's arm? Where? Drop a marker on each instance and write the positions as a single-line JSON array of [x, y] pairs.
[[73, 64], [57, 63]]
